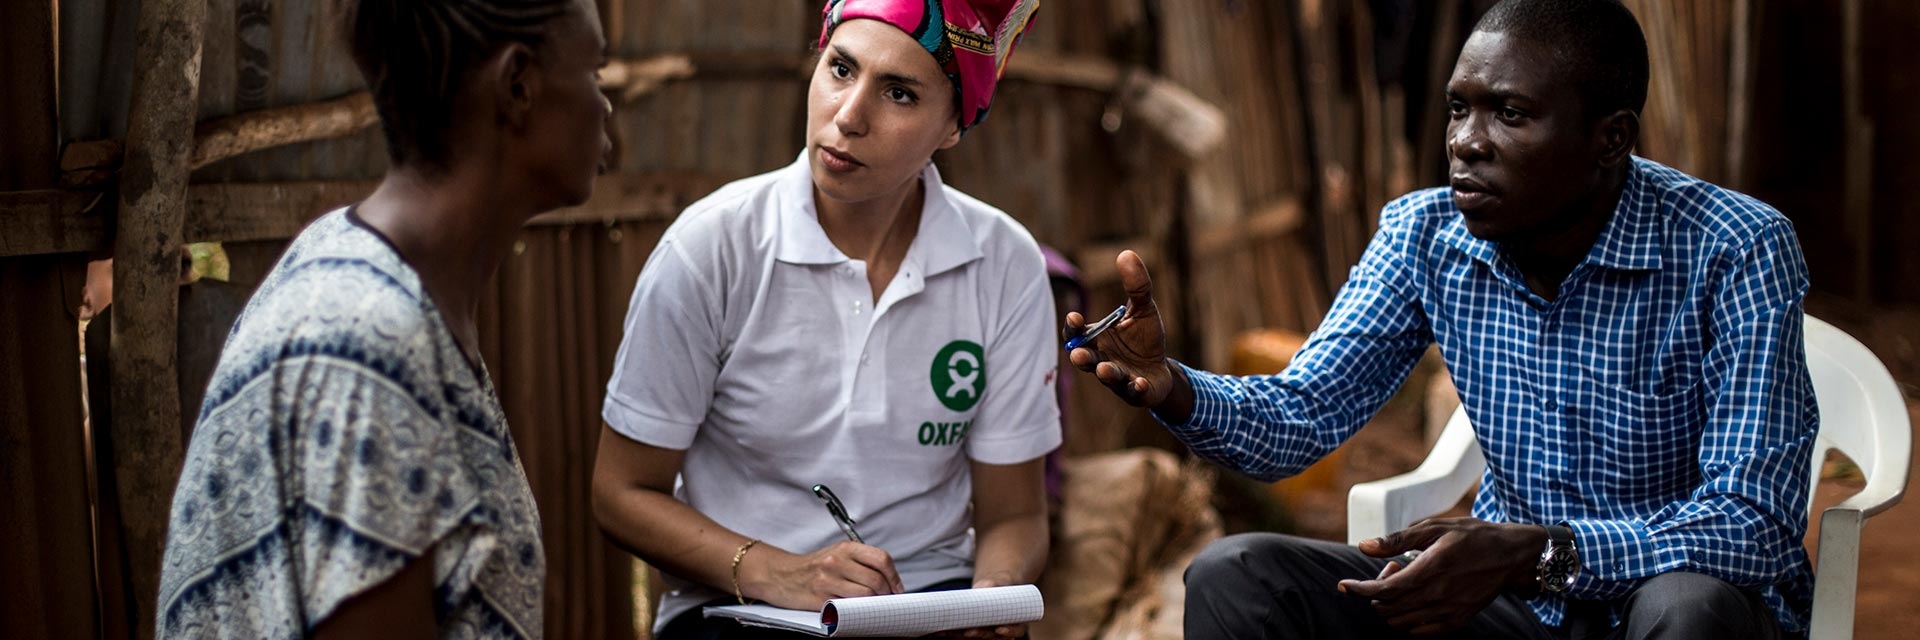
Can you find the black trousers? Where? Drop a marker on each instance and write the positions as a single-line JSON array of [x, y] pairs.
[[1265, 585]]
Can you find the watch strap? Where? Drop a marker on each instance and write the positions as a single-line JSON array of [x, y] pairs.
[[1559, 534]]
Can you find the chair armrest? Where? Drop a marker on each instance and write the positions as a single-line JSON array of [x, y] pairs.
[[1836, 583], [1377, 508]]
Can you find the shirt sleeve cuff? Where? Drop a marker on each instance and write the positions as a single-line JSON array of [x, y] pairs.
[[636, 425], [1211, 396], [1615, 555]]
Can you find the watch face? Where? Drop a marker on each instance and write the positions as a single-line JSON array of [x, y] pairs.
[[1555, 583], [1557, 569]]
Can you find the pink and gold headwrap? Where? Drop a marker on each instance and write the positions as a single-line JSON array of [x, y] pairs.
[[970, 39]]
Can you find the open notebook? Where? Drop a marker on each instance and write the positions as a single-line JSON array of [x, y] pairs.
[[902, 615]]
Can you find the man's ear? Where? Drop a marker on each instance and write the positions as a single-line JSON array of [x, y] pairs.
[[1616, 135], [513, 83]]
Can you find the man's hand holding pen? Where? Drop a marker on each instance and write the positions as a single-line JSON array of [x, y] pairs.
[[1130, 356]]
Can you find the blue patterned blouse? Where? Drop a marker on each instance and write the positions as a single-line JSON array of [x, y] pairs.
[[343, 436]]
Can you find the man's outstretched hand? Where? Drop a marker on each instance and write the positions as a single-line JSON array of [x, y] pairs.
[[1465, 564], [1131, 357]]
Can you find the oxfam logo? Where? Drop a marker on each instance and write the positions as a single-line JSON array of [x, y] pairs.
[[959, 375]]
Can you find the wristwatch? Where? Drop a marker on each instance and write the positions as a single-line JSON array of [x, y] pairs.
[[1559, 563]]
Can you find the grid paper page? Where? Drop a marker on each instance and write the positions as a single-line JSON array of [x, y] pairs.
[[916, 614]]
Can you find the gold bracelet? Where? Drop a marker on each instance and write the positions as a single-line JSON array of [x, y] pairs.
[[737, 555]]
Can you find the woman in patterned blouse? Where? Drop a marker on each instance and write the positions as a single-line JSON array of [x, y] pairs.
[[351, 473]]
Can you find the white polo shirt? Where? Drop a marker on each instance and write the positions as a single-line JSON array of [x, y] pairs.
[[756, 346]]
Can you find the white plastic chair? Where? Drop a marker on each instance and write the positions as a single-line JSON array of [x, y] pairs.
[[1861, 413]]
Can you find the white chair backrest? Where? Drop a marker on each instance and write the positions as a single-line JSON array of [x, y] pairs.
[[1862, 413]]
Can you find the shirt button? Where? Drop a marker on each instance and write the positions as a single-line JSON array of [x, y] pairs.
[[863, 358], [1553, 405]]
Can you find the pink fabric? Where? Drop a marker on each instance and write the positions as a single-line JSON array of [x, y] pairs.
[[970, 39]]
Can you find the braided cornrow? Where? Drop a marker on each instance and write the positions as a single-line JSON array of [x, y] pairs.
[[414, 55]]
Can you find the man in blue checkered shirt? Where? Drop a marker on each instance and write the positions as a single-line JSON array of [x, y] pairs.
[[1626, 340]]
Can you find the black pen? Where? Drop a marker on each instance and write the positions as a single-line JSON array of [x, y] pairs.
[[838, 511]]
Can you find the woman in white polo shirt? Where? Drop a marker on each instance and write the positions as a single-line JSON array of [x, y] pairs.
[[851, 321]]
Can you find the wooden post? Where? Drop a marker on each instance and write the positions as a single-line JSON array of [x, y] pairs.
[[234, 135], [1742, 61], [153, 197], [1857, 189], [1430, 151]]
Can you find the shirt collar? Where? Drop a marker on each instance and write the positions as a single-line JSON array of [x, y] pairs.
[[1630, 242], [943, 241], [1632, 239]]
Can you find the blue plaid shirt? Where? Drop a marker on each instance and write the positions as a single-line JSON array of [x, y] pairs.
[[1659, 405]]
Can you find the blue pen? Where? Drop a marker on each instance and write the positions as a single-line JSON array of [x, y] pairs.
[[1094, 331]]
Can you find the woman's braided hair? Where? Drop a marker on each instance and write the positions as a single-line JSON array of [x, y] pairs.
[[415, 55]]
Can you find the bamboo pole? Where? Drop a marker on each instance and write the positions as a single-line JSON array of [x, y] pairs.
[[1373, 130], [632, 79], [153, 194], [1858, 184], [1430, 154], [1740, 80], [1192, 125], [227, 137], [243, 133]]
